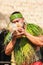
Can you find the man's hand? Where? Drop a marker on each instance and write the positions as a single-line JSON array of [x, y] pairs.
[[18, 33]]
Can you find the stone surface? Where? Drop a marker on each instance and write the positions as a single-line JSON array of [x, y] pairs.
[[32, 10]]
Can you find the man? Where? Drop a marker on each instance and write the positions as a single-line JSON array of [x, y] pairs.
[[18, 29], [18, 19]]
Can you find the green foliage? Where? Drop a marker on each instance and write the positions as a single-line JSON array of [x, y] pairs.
[[24, 52], [34, 29], [7, 38]]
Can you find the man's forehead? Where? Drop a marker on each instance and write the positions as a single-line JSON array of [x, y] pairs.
[[17, 19]]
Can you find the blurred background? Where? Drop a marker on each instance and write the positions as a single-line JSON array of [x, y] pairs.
[[32, 10]]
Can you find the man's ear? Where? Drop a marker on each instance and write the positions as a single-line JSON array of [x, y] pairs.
[[24, 25]]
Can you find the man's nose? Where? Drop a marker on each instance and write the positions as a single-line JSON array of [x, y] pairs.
[[18, 25]]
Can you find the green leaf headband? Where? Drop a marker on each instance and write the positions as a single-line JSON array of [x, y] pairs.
[[15, 16]]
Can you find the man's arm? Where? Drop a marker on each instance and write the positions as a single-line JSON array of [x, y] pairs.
[[10, 46], [35, 40]]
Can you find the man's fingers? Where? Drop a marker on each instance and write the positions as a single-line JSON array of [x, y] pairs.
[[21, 30]]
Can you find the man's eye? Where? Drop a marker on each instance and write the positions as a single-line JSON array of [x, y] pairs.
[[16, 21]]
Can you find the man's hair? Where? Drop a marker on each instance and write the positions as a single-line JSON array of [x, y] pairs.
[[15, 12]]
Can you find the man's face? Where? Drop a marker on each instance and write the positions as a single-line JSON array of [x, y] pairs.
[[16, 24], [19, 22]]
